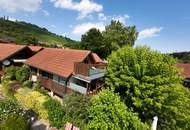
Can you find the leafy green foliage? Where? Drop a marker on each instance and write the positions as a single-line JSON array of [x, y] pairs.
[[23, 73], [8, 107], [93, 40], [25, 33], [6, 88], [108, 112], [10, 72], [117, 35], [39, 87], [75, 107], [27, 84], [15, 122], [150, 84], [34, 100], [55, 112]]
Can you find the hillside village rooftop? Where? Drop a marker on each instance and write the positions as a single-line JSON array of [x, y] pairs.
[[60, 70]]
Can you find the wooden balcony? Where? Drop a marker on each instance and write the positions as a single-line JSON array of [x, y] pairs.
[[84, 69]]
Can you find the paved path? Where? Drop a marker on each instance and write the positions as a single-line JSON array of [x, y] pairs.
[[40, 125], [1, 94]]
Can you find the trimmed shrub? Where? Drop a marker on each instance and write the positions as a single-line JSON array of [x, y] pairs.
[[15, 122], [10, 73], [55, 112], [108, 112], [23, 73]]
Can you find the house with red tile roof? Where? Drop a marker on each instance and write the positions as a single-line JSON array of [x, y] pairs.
[[65, 70], [185, 72], [35, 49], [12, 54]]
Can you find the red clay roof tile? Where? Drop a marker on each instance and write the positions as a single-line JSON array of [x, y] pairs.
[[7, 50], [35, 48], [96, 58], [185, 69], [57, 61]]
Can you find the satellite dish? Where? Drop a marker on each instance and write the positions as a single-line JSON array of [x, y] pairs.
[[6, 62]]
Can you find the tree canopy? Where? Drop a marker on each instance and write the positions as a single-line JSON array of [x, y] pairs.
[[107, 112], [149, 83], [115, 36], [93, 40]]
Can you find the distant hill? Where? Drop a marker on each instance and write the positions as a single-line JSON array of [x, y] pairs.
[[183, 57], [26, 33]]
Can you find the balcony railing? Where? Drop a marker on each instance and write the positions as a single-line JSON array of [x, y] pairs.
[[88, 69], [78, 88]]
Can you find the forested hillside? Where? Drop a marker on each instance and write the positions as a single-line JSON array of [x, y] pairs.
[[182, 57], [24, 33]]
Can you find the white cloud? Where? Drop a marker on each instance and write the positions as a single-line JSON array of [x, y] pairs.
[[20, 5], [149, 32], [103, 21], [121, 18], [102, 17], [45, 12], [83, 28], [84, 7]]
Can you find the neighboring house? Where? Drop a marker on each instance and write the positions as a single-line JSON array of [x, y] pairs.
[[11, 54], [64, 70], [185, 72]]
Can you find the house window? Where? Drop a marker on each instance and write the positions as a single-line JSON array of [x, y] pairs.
[[45, 74], [56, 78], [59, 79], [62, 80], [33, 70]]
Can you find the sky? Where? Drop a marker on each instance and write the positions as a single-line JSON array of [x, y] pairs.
[[163, 25]]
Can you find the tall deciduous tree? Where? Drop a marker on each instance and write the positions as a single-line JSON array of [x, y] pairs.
[[107, 112], [93, 40], [150, 84], [116, 35]]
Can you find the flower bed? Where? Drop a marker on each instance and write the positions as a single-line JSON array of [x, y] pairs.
[[30, 99]]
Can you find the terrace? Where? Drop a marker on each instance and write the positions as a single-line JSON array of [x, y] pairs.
[[87, 78]]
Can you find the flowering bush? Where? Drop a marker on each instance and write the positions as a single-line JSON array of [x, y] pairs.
[[32, 100], [8, 107], [15, 122]]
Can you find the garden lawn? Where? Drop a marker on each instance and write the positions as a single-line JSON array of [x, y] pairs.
[[30, 99]]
